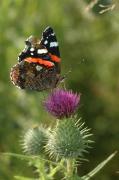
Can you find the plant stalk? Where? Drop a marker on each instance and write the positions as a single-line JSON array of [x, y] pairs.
[[70, 167]]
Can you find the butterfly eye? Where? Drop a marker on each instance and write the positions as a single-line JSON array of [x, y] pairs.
[[28, 43]]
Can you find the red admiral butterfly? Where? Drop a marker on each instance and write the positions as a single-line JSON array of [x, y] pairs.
[[38, 66]]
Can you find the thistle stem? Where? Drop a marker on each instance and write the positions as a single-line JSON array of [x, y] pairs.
[[56, 169], [70, 167], [40, 165]]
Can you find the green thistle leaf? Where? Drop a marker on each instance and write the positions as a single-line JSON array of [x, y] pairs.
[[98, 168], [24, 178]]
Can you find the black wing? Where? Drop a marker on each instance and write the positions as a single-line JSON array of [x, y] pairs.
[[49, 40]]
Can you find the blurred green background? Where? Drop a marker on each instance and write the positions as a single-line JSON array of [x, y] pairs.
[[89, 45]]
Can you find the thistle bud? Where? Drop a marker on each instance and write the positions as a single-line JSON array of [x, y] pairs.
[[34, 141], [69, 139]]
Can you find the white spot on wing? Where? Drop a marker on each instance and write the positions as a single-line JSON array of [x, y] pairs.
[[42, 51], [38, 68], [45, 42], [53, 44], [32, 54], [32, 49], [52, 34]]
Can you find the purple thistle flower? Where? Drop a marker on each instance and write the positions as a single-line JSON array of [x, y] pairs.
[[62, 103]]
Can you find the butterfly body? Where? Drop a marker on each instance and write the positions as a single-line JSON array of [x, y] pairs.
[[38, 66]]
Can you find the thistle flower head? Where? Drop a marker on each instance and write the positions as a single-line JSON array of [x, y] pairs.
[[62, 103]]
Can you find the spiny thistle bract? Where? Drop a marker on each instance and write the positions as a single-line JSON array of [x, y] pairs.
[[70, 139], [34, 141], [62, 103]]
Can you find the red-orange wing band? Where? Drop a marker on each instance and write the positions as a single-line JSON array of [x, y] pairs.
[[54, 58], [39, 61]]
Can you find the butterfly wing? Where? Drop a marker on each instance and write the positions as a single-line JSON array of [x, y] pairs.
[[49, 40]]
